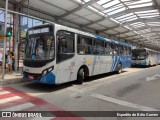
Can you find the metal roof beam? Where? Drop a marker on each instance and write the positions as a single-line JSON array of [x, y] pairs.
[[140, 41], [106, 2], [126, 11], [137, 38], [154, 37], [157, 39], [20, 3], [130, 36], [151, 27], [110, 28], [76, 9], [137, 20], [133, 10], [120, 33], [151, 32], [156, 4], [145, 42], [156, 19], [93, 22]]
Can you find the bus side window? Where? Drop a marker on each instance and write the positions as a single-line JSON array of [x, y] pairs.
[[88, 45], [129, 49], [114, 49], [65, 45], [108, 50], [100, 47], [120, 50], [84, 45], [147, 53], [94, 46], [125, 51], [80, 49]]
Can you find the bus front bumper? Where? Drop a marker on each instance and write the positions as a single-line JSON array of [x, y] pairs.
[[49, 78], [139, 63]]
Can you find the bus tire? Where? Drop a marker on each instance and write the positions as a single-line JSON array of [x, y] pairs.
[[80, 76], [119, 68]]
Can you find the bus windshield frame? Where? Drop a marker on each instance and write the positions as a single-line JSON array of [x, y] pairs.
[[139, 54], [40, 43]]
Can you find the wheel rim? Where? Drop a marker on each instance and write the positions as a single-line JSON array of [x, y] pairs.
[[120, 69], [83, 75]]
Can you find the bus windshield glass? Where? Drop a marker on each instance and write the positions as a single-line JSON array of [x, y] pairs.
[[138, 54], [40, 45]]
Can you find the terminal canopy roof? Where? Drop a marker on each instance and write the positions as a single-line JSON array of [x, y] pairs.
[[136, 21]]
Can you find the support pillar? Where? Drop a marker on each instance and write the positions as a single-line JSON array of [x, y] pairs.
[[5, 41], [16, 39]]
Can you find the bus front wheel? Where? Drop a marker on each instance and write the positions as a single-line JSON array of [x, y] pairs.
[[80, 76]]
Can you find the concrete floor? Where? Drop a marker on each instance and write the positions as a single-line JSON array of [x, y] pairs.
[[136, 89]]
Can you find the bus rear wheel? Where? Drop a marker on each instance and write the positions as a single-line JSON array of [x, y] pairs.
[[80, 76], [119, 69]]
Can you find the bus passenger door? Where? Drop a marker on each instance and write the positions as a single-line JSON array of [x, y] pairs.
[[65, 56]]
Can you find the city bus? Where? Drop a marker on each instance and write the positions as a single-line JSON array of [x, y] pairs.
[[56, 54], [145, 57]]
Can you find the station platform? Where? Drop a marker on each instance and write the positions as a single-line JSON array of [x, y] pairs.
[[11, 78]]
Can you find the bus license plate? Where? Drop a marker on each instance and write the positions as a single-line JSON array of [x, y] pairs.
[[31, 77]]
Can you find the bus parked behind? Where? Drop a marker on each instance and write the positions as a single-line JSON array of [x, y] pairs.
[[145, 57]]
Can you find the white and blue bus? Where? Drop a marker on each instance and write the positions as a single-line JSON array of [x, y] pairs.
[[145, 57], [56, 54]]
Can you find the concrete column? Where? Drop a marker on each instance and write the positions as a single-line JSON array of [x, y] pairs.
[[16, 39]]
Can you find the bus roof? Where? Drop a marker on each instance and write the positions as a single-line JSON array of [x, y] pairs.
[[85, 33], [112, 41]]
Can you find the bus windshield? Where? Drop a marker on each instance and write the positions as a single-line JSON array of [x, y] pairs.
[[138, 54], [40, 47]]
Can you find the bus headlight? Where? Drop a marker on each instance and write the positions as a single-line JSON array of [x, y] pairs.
[[44, 72], [50, 69]]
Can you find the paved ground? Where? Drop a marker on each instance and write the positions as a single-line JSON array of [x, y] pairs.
[[136, 89], [11, 78]]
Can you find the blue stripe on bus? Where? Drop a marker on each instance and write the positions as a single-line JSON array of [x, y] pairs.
[[124, 44], [116, 63], [100, 38], [112, 41], [48, 78], [113, 62], [124, 60]]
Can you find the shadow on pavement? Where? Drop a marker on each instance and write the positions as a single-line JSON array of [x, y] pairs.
[[39, 87]]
